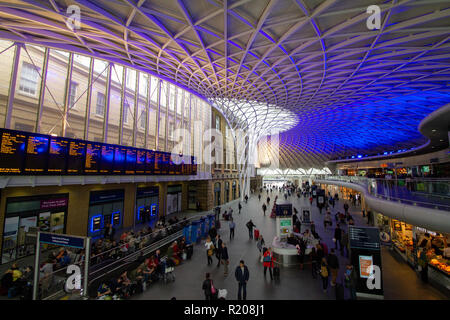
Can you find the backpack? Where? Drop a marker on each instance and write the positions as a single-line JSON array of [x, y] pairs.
[[324, 271], [267, 258]]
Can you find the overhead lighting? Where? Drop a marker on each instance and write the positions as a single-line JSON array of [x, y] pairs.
[[434, 130]]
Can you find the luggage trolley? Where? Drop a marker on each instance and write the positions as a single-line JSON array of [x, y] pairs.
[[167, 269]]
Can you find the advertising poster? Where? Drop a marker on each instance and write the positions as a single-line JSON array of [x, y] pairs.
[[365, 266]]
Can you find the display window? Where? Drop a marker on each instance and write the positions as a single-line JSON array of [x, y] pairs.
[[25, 216]]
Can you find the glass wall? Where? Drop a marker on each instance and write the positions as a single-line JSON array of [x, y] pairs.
[[72, 95]]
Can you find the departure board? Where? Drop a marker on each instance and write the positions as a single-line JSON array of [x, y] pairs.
[[12, 152], [39, 154], [57, 155], [107, 159], [165, 163], [93, 158], [36, 154], [76, 157], [140, 161], [150, 162], [130, 165], [157, 162], [120, 155]]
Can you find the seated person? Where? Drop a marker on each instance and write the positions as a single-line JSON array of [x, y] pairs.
[[149, 271], [292, 239], [137, 279], [103, 291], [125, 282]]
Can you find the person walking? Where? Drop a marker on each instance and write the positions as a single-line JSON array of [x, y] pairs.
[[246, 198], [264, 207], [268, 199], [350, 280], [250, 225], [346, 208], [333, 264], [259, 197], [209, 250], [232, 226], [225, 259], [324, 274], [338, 236], [242, 275], [212, 234], [218, 249], [207, 286], [314, 263], [344, 244], [260, 244], [239, 207], [268, 262]]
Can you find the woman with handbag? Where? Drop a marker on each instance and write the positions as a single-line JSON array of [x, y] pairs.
[[209, 250], [268, 262]]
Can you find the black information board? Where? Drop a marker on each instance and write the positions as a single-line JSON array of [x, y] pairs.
[[38, 154], [12, 152], [364, 238]]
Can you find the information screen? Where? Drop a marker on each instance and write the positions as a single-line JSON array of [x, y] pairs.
[[130, 167], [12, 152], [76, 157], [57, 155], [39, 154], [158, 160], [107, 159], [93, 158], [119, 160], [150, 162], [36, 154], [141, 156]]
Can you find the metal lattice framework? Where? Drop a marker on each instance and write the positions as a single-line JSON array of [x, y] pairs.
[[353, 89]]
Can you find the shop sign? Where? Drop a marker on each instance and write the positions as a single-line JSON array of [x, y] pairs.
[[61, 240], [54, 203]]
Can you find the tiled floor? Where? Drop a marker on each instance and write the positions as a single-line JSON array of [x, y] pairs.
[[400, 281]]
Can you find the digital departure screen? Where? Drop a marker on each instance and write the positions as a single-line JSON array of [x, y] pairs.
[[130, 167], [39, 154], [107, 159], [140, 161], [93, 158], [57, 155], [12, 152], [36, 154], [120, 155], [150, 162], [76, 157], [157, 162]]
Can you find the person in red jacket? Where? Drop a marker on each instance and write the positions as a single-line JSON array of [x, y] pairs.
[[268, 262]]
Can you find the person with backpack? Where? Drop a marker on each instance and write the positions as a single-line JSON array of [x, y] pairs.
[[250, 225], [324, 274], [260, 244], [268, 262], [350, 280], [242, 275]]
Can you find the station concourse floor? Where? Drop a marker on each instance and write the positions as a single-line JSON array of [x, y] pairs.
[[399, 280]]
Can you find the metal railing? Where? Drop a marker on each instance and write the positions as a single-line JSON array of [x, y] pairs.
[[425, 192]]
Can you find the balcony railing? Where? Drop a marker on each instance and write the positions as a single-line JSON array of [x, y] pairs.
[[430, 193]]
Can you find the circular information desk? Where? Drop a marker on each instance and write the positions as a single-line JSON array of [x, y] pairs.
[[284, 253]]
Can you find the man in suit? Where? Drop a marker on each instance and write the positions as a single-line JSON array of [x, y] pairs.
[[242, 275]]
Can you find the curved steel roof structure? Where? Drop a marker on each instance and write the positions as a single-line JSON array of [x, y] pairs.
[[354, 90]]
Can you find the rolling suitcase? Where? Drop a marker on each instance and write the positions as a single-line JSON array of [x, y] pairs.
[[256, 234]]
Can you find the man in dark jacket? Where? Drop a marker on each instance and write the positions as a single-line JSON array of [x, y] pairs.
[[242, 275], [338, 236], [250, 225], [225, 258], [207, 287], [212, 234], [333, 264], [218, 249]]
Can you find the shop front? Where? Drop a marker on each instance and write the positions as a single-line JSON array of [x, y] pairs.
[[105, 207], [147, 204], [24, 216], [410, 241], [174, 198], [227, 192], [192, 197]]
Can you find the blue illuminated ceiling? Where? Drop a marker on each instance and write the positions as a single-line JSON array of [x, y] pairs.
[[355, 91]]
